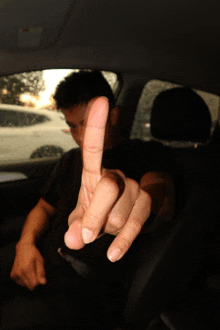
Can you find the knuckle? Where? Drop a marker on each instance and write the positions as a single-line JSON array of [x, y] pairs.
[[29, 267], [118, 173], [93, 220], [92, 149], [146, 197], [12, 275], [117, 222], [136, 224], [145, 194], [123, 243], [133, 189], [110, 185], [16, 278], [133, 183], [28, 272], [23, 273], [134, 186], [116, 180]]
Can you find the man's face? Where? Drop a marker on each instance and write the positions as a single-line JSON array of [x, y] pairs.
[[76, 118]]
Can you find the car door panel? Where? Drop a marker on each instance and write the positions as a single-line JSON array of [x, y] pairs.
[[20, 185]]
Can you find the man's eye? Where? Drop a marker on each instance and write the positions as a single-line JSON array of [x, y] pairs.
[[72, 126], [73, 129]]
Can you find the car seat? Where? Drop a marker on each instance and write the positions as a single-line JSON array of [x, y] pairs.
[[160, 297]]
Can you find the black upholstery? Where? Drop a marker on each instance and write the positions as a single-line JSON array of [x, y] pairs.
[[179, 114], [171, 260]]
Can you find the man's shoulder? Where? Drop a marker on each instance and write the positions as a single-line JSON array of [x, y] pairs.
[[71, 155], [146, 144], [134, 148], [134, 158], [139, 146]]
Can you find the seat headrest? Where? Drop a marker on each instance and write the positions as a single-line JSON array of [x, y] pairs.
[[180, 114]]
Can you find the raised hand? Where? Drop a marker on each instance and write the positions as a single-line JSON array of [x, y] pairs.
[[108, 202]]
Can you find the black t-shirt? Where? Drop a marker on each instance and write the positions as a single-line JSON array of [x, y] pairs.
[[134, 158]]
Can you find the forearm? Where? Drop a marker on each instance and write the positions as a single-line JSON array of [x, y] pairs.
[[36, 222]]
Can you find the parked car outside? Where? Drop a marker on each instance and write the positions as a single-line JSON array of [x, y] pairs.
[[30, 133]]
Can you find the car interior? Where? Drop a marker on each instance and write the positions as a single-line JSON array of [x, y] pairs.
[[150, 46]]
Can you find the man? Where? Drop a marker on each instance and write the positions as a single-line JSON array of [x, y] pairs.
[[116, 203]]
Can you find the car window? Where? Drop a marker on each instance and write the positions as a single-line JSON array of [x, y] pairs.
[[15, 118], [31, 126], [141, 124]]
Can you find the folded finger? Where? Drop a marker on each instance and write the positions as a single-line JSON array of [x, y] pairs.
[[122, 209], [105, 196], [73, 237], [41, 274], [139, 214], [18, 280], [32, 276], [78, 212]]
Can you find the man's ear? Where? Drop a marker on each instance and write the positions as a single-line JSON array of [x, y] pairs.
[[114, 116]]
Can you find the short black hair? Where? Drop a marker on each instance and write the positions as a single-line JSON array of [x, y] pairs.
[[180, 114], [81, 87]]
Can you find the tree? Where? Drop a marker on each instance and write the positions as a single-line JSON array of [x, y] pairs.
[[11, 87]]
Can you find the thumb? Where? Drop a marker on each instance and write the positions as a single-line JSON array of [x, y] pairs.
[[41, 274], [73, 237]]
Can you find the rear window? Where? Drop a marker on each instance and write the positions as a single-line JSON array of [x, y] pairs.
[[141, 124]]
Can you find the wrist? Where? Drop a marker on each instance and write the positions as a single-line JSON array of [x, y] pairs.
[[26, 240]]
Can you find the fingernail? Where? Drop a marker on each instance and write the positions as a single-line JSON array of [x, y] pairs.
[[88, 235], [115, 255]]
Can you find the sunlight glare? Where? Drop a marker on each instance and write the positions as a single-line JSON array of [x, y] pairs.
[[52, 78]]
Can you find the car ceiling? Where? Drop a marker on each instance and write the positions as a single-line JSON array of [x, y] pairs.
[[172, 40]]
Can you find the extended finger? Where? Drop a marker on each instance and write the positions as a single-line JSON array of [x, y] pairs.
[[139, 214], [93, 143], [105, 196]]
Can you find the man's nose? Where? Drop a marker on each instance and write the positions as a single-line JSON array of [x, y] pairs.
[[80, 135]]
